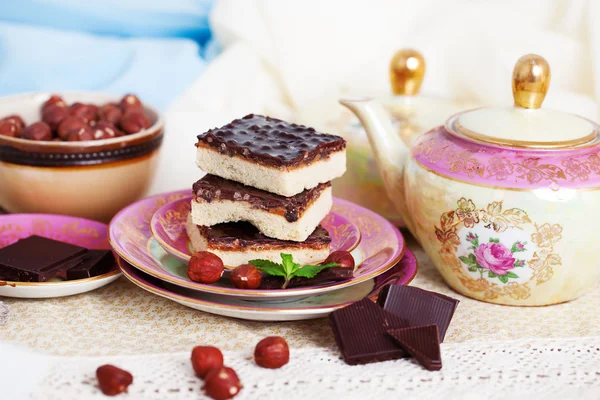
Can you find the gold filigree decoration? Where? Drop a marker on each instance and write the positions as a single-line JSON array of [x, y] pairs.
[[542, 263], [502, 168]]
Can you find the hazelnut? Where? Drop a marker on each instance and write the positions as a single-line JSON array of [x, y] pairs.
[[341, 257], [272, 352], [130, 102], [54, 100], [37, 131], [110, 113], [81, 135], [14, 119], [105, 130], [205, 267], [222, 384], [9, 129], [53, 115], [134, 121], [246, 276], [88, 112], [206, 358], [113, 380], [68, 124]]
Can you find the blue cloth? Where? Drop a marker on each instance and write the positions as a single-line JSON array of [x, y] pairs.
[[153, 48]]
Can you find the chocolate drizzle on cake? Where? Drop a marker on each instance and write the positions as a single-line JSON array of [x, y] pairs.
[[213, 188], [272, 142]]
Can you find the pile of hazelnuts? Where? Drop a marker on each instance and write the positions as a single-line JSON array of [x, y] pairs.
[[207, 267], [79, 122], [220, 382]]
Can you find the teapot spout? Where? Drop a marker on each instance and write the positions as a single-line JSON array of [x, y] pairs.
[[389, 150]]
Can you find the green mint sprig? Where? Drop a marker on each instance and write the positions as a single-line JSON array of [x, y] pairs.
[[288, 269]]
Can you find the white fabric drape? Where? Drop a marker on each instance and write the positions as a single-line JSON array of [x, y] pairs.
[[294, 59]]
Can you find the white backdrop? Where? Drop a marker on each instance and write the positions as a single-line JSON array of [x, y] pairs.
[[296, 57]]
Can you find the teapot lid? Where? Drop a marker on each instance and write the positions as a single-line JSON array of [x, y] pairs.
[[525, 124]]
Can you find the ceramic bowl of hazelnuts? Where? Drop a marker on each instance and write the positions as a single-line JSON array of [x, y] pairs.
[[84, 154]]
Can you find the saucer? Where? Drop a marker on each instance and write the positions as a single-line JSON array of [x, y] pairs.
[[380, 248], [78, 231], [168, 228], [315, 306]]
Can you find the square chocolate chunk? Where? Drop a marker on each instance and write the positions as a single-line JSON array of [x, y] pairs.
[[360, 331], [37, 259], [94, 263], [419, 307]]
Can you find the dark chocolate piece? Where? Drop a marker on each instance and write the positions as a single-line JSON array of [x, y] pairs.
[[360, 331], [37, 259], [419, 307], [271, 142], [239, 235], [94, 263], [421, 342], [212, 187], [271, 282]]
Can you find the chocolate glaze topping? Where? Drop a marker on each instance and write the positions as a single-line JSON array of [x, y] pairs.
[[212, 187], [242, 235], [270, 141]]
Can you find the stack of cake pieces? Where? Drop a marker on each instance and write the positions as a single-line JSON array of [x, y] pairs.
[[267, 188]]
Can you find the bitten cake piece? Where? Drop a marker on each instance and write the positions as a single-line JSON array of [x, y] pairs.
[[272, 155], [217, 200], [236, 243]]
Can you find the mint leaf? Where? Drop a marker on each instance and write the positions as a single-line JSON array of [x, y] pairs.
[[268, 267], [309, 271], [289, 266]]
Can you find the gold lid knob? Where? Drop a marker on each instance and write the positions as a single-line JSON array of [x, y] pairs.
[[531, 78], [407, 69]]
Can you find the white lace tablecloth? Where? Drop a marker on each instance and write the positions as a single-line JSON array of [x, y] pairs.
[[546, 369], [491, 351]]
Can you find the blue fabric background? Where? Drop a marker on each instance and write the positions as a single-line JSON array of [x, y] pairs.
[[153, 48]]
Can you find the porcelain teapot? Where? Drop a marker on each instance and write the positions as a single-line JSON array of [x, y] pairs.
[[412, 115], [503, 199]]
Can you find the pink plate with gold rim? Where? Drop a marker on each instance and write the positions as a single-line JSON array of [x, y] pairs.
[[380, 248], [79, 231], [168, 228]]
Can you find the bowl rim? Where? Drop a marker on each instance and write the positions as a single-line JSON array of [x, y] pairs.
[[90, 145]]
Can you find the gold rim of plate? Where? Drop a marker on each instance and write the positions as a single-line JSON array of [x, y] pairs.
[[62, 283]]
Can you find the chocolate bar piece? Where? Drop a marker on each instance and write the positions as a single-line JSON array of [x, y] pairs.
[[218, 200], [94, 263], [236, 243], [421, 342], [271, 154], [327, 275], [360, 331], [419, 307], [37, 259]]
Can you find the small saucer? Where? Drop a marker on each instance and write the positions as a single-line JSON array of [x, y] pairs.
[[78, 231], [168, 228]]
